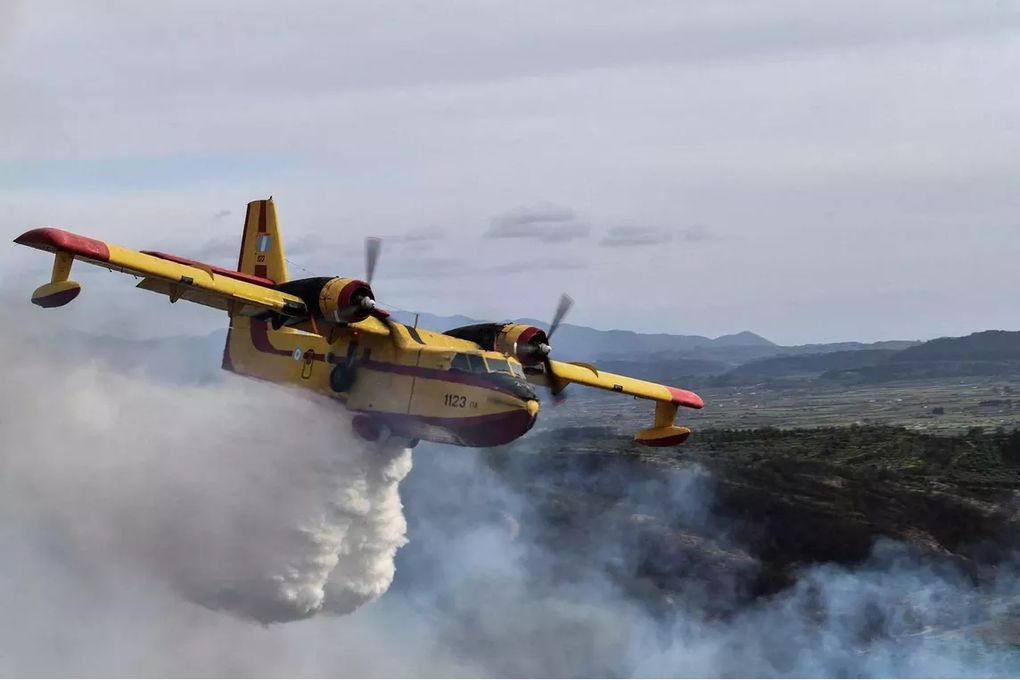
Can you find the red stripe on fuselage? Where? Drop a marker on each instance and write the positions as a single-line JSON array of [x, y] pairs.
[[260, 339], [493, 429]]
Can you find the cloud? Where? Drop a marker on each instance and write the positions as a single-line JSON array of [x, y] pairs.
[[538, 265], [447, 267], [705, 113], [546, 222], [220, 214], [696, 233], [218, 249], [223, 249], [636, 236], [428, 268], [419, 235], [650, 236], [303, 245]]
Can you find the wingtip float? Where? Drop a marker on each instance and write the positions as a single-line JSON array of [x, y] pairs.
[[469, 386]]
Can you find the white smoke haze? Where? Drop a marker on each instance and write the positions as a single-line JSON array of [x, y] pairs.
[[155, 529], [238, 495]]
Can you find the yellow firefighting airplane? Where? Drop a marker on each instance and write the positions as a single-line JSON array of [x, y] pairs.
[[468, 386]]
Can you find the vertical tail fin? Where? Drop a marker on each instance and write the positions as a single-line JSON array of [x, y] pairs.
[[261, 255], [261, 245]]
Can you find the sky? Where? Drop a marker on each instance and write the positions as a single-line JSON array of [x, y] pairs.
[[811, 171]]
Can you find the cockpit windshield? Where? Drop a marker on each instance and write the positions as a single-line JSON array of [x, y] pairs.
[[474, 363], [503, 374]]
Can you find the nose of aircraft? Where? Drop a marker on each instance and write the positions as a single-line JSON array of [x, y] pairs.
[[532, 406]]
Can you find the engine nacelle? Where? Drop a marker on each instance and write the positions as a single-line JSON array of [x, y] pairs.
[[521, 341], [346, 300], [335, 299]]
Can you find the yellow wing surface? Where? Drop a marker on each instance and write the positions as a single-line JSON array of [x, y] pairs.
[[668, 399], [176, 277]]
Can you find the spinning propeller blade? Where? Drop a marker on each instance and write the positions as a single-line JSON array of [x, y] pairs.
[[566, 302], [373, 246]]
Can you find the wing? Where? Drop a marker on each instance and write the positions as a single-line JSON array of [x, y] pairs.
[[668, 399], [178, 278]]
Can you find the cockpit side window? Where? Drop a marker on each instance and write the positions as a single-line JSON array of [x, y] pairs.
[[468, 362], [498, 365]]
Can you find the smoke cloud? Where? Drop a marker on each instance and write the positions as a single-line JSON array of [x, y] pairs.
[[217, 529], [240, 496]]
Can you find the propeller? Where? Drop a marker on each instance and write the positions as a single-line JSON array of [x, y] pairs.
[[545, 349], [373, 249], [373, 246]]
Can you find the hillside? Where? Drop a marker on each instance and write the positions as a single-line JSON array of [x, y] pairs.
[[738, 516], [987, 353], [808, 365], [982, 346]]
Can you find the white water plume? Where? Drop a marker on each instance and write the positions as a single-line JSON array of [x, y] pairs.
[[240, 495], [352, 544]]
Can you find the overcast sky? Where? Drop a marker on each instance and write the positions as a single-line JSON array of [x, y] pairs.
[[811, 171]]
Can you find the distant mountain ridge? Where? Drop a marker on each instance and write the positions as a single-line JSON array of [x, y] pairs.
[[582, 343], [809, 364], [735, 359], [985, 353], [981, 346]]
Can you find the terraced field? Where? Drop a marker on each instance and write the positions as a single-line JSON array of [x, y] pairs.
[[945, 406]]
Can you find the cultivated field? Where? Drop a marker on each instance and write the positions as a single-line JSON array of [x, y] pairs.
[[939, 406]]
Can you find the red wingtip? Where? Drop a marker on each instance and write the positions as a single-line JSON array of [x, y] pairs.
[[686, 398], [53, 239]]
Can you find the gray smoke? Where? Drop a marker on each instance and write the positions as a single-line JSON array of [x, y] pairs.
[[239, 495], [151, 529]]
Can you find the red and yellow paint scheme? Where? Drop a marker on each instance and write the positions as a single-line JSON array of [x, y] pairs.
[[469, 386]]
